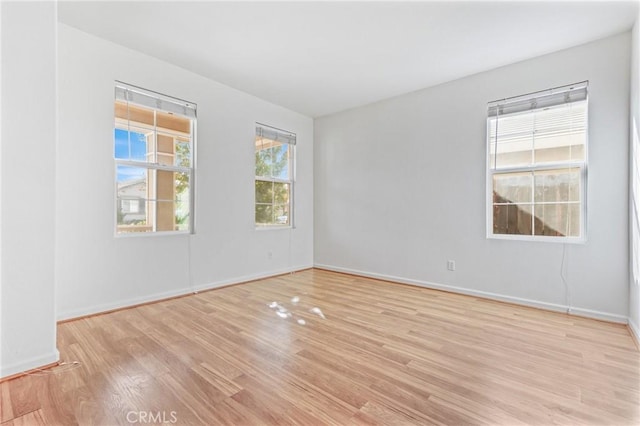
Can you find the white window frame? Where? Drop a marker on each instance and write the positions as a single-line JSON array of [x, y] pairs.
[[532, 168], [157, 102], [290, 139]]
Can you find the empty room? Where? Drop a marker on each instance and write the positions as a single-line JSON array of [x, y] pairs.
[[336, 213]]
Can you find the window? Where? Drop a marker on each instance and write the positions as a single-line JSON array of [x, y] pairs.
[[537, 165], [274, 153], [154, 140]]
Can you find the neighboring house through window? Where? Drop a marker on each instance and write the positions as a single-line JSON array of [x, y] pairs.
[[537, 165], [274, 164], [154, 139]]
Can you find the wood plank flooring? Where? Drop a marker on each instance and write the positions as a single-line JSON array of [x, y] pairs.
[[384, 353]]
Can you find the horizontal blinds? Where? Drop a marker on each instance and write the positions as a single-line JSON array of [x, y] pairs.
[[274, 134], [551, 123], [135, 95], [540, 128], [539, 100]]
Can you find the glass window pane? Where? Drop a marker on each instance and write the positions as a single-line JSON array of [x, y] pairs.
[[171, 186], [264, 214], [512, 219], [131, 114], [182, 152], [182, 215], [272, 159], [512, 188], [264, 161], [557, 185], [172, 122], [560, 133], [572, 149], [558, 219], [133, 144], [281, 193], [165, 150], [133, 215], [513, 136], [165, 216], [491, 124], [132, 203], [146, 196], [264, 192], [281, 213], [165, 186], [280, 166], [174, 150], [182, 184], [132, 182], [539, 136], [132, 211]]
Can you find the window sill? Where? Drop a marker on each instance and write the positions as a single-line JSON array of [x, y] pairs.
[[538, 238], [151, 234], [273, 227]]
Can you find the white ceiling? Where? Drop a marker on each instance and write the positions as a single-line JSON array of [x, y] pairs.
[[319, 58]]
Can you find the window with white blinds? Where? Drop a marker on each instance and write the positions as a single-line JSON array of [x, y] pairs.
[[274, 163], [154, 141], [537, 165]]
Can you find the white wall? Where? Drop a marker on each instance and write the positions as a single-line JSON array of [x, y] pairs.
[[400, 188], [634, 175], [28, 116], [97, 271]]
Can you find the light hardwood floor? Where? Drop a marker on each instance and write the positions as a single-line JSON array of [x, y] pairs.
[[384, 354]]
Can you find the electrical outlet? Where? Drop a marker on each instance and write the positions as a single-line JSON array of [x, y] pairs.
[[269, 254], [451, 265]]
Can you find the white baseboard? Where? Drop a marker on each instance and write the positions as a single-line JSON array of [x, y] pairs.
[[251, 277], [634, 330], [29, 364], [155, 297], [96, 309], [605, 316]]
